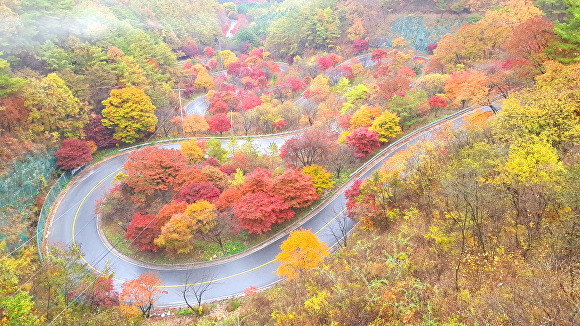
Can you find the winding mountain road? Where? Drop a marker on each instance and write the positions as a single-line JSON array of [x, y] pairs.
[[75, 222]]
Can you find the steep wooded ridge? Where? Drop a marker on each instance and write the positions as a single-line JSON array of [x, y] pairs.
[[476, 226]]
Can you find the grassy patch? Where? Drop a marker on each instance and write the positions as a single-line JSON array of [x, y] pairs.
[[103, 154]]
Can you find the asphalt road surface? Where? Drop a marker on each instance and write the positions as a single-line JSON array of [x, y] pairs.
[[75, 222]]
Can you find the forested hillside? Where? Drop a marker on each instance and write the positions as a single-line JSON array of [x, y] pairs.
[[477, 226]]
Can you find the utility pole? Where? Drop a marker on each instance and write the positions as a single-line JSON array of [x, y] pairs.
[[220, 52], [179, 90], [232, 122]]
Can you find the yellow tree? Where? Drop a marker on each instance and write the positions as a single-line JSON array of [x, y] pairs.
[[386, 126], [228, 57], [321, 179], [364, 116], [16, 304], [531, 176], [194, 123], [191, 149], [433, 83], [203, 214], [54, 108], [357, 30], [400, 42], [301, 251], [204, 80], [178, 233], [549, 111], [319, 89], [130, 112]]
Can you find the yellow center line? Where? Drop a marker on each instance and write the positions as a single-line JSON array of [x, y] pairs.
[[332, 220], [172, 286], [77, 215], [251, 269]]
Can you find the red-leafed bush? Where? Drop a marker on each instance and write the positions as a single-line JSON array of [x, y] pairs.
[[257, 212], [363, 141], [73, 154], [360, 45], [219, 123], [142, 230], [198, 191]]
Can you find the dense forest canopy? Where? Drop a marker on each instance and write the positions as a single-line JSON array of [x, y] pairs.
[[476, 226]]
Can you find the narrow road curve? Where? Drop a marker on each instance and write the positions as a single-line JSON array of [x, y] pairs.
[[75, 222]]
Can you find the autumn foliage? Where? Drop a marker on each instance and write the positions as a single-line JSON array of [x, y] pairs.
[[363, 141], [258, 211], [142, 292], [296, 188], [301, 251], [130, 113], [73, 153], [143, 229], [153, 169], [198, 191]]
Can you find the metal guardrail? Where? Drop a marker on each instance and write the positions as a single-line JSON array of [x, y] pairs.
[[417, 131], [173, 140]]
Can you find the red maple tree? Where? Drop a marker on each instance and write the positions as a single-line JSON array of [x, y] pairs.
[[142, 230], [363, 141], [228, 198], [325, 63], [259, 180], [198, 191], [142, 292], [437, 101], [378, 55], [99, 134], [13, 113], [250, 101], [257, 212], [308, 148], [296, 188], [73, 154], [209, 51], [219, 123], [218, 106], [360, 45]]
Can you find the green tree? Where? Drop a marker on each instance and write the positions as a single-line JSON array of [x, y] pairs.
[[16, 304], [568, 49], [130, 112], [407, 107], [7, 83], [213, 148]]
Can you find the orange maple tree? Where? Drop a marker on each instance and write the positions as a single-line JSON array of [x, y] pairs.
[[467, 86], [153, 169], [142, 292], [296, 188]]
